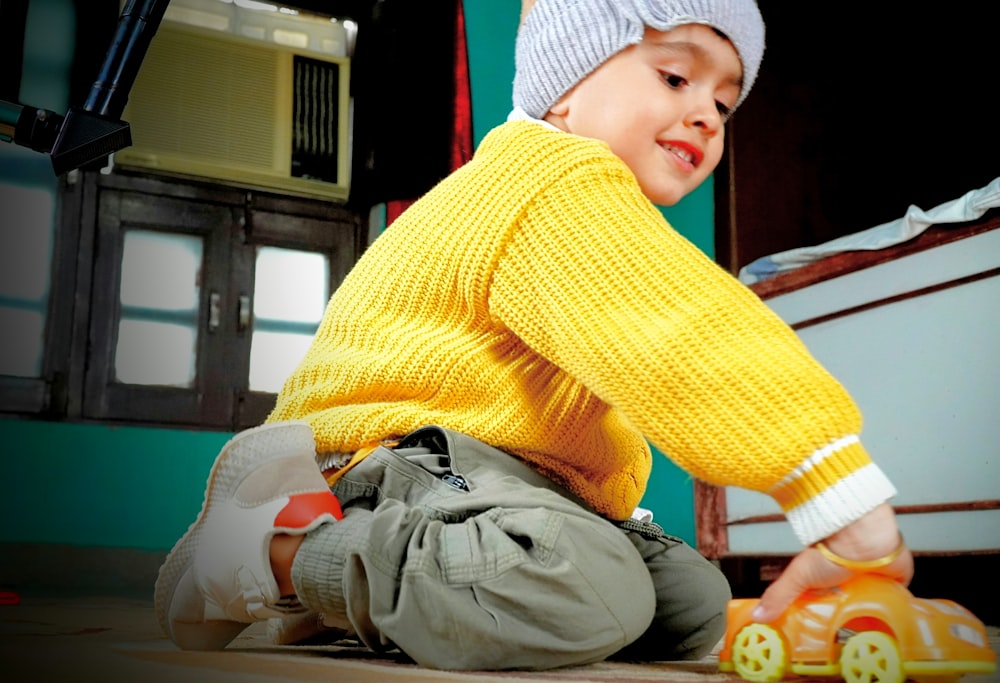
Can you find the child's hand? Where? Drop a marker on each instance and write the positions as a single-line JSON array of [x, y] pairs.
[[873, 536]]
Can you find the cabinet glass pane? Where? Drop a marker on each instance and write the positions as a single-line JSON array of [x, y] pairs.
[[155, 353], [160, 271], [290, 285], [290, 294], [23, 336], [273, 356], [26, 227], [159, 293]]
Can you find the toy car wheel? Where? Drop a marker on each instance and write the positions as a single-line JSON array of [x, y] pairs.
[[759, 654], [871, 657]]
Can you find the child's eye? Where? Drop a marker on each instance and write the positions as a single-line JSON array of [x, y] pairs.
[[723, 110], [673, 80]]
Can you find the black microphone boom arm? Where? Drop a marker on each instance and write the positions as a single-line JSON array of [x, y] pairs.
[[95, 130]]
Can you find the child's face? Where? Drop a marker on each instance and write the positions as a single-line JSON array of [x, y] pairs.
[[661, 106]]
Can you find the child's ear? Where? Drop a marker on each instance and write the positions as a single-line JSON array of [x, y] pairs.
[[557, 113], [561, 107]]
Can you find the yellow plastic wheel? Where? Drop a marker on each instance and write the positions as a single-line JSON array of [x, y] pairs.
[[759, 654], [871, 657]]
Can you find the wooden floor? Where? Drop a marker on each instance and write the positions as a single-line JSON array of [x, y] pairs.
[[112, 639]]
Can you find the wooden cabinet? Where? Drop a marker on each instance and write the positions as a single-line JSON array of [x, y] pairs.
[[859, 111], [913, 333]]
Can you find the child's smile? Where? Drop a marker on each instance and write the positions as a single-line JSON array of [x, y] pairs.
[[689, 155]]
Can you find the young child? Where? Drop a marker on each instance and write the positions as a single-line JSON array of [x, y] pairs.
[[480, 391]]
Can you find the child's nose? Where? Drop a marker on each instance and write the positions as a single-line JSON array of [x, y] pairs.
[[705, 116]]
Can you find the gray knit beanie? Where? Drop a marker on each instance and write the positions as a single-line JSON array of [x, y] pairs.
[[562, 41]]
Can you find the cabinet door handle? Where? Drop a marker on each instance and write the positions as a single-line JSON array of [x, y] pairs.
[[214, 315], [243, 322]]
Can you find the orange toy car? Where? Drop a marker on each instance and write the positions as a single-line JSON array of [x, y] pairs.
[[869, 629]]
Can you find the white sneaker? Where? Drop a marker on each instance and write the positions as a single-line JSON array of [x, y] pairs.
[[217, 580]]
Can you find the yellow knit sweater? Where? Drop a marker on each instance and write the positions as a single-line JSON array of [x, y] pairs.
[[536, 300]]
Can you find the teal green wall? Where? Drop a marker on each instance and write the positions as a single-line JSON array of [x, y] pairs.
[[490, 26], [97, 485], [134, 487]]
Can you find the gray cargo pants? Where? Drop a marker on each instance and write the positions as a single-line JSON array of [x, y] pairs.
[[463, 557]]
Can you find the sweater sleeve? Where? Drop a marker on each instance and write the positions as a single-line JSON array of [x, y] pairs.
[[595, 280]]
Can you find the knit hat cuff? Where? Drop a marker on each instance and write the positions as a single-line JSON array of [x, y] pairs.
[[544, 73]]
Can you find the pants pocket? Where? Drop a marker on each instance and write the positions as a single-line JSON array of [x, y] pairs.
[[485, 546]]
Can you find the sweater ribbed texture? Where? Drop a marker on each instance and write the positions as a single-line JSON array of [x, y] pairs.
[[537, 301]]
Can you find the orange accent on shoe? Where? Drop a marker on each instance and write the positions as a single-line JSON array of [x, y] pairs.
[[303, 508]]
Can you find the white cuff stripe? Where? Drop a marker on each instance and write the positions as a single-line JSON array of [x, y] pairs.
[[840, 504], [816, 458]]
